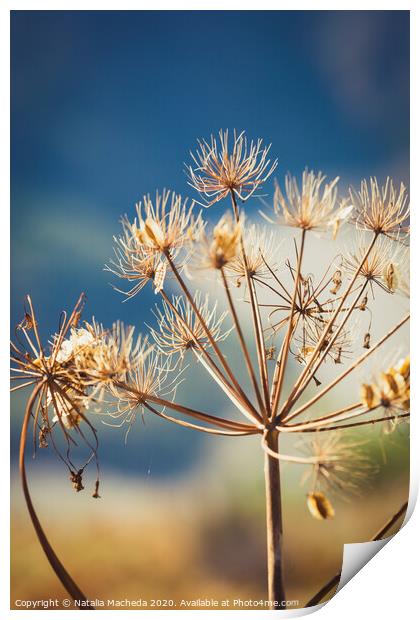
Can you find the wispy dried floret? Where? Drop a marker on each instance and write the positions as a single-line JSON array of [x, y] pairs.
[[383, 210], [134, 263], [222, 168], [166, 224], [391, 391], [313, 206], [222, 246], [102, 356], [386, 264], [61, 396], [261, 248], [180, 329], [339, 465], [152, 377]]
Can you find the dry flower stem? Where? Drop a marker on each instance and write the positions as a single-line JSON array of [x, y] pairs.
[[346, 372], [276, 590], [69, 584], [297, 390], [210, 337], [354, 424], [281, 368], [242, 340], [256, 319]]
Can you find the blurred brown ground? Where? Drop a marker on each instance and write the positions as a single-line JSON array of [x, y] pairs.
[[201, 535]]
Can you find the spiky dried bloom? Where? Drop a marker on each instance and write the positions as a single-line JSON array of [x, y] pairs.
[[338, 465], [386, 264], [313, 206], [103, 356], [390, 391], [219, 248], [165, 225], [62, 397], [222, 168], [260, 247], [180, 329], [134, 263], [383, 210], [152, 377]]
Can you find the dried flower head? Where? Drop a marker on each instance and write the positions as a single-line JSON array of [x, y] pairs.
[[166, 224], [390, 390], [222, 168], [260, 247], [133, 263], [386, 264], [180, 329], [338, 466], [314, 206], [222, 246], [61, 396], [152, 377], [383, 210], [338, 351]]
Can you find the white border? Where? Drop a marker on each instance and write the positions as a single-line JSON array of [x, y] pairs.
[[389, 584]]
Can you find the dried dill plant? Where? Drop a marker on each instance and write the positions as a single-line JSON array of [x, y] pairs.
[[291, 314]]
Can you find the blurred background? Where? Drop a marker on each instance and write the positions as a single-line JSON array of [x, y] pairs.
[[106, 107]]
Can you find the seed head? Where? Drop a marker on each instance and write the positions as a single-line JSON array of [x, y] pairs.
[[221, 168], [313, 206], [383, 210], [222, 246], [180, 329]]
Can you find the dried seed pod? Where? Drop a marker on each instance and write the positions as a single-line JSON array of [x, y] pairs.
[[363, 303], [76, 480], [320, 506], [369, 396], [366, 341], [337, 359], [337, 281], [269, 353], [95, 493], [391, 277]]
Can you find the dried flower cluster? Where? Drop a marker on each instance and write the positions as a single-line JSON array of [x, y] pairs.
[[292, 313]]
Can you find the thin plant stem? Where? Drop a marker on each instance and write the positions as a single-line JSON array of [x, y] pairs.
[[334, 581], [276, 590], [333, 339], [353, 424], [256, 319], [242, 340], [66, 580], [347, 371], [209, 334], [281, 367], [212, 368], [295, 393]]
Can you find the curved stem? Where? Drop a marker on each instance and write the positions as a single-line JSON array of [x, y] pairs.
[[66, 580]]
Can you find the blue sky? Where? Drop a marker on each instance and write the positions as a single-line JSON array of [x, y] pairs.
[[107, 105]]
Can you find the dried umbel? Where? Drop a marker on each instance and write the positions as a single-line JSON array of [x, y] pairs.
[[61, 398], [135, 263], [223, 166], [383, 210], [290, 311], [180, 330], [312, 206], [165, 224], [261, 247], [391, 392], [385, 266], [222, 246]]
